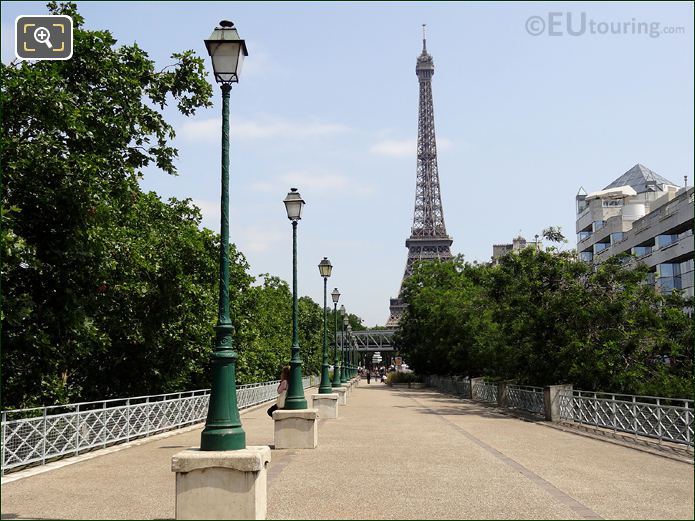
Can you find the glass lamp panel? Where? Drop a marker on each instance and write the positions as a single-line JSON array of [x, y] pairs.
[[335, 295], [240, 64], [225, 58], [293, 205], [325, 267], [294, 209]]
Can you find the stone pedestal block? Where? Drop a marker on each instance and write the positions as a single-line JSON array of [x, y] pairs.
[[221, 484], [296, 429], [551, 400], [326, 404], [342, 395]]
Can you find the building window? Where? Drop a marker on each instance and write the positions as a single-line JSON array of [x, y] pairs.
[[640, 251], [665, 240], [668, 284], [582, 236], [669, 276], [582, 205], [617, 237], [668, 269], [607, 203], [686, 233], [597, 225], [600, 246], [586, 256], [688, 266]]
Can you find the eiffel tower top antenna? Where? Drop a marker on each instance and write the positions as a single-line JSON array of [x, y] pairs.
[[424, 38]]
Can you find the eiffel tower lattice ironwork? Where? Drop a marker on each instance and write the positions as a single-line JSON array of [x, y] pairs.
[[428, 239]]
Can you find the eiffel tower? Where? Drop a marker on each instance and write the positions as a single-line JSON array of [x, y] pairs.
[[428, 239]]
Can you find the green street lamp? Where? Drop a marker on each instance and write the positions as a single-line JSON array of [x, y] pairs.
[[223, 429], [336, 355], [343, 348], [295, 390], [349, 351], [325, 387]]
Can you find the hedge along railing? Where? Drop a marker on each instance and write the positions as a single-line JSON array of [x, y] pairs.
[[667, 419], [32, 436]]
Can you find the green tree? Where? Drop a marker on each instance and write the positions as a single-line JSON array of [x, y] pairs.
[[109, 291], [545, 317], [76, 135]]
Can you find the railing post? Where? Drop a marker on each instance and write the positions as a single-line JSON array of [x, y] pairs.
[[149, 423], [474, 385], [502, 396], [551, 400], [103, 425], [4, 442], [658, 417], [127, 419], [615, 427], [43, 448], [634, 415], [77, 426]]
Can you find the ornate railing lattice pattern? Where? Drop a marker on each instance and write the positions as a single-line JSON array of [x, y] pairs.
[[526, 397], [33, 436], [460, 386], [484, 392], [651, 416]]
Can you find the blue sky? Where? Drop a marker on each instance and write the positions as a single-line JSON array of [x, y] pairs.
[[328, 103]]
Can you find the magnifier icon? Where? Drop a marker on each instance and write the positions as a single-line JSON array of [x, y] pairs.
[[42, 35]]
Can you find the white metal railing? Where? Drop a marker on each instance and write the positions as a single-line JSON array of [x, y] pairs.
[[461, 386], [32, 436], [485, 392], [667, 419], [526, 397]]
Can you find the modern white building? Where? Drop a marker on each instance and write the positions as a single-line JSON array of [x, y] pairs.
[[643, 214]]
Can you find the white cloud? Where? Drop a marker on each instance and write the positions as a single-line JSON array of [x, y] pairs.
[[260, 128], [259, 239], [210, 211], [319, 182], [404, 147], [259, 66]]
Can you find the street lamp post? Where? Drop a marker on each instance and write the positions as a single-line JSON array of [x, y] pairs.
[[343, 348], [295, 390], [336, 355], [223, 429], [349, 351], [325, 387]]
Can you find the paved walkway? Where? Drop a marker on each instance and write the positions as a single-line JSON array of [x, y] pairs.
[[392, 454]]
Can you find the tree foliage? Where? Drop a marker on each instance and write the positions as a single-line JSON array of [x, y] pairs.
[[543, 317], [107, 290]]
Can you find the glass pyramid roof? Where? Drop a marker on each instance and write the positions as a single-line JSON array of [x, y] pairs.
[[640, 177]]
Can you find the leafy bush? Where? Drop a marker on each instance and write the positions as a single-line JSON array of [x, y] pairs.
[[402, 378]]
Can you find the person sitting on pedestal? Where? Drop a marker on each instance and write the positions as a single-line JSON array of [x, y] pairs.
[[282, 391]]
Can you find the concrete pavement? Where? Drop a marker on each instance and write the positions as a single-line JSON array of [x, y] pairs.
[[392, 454]]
